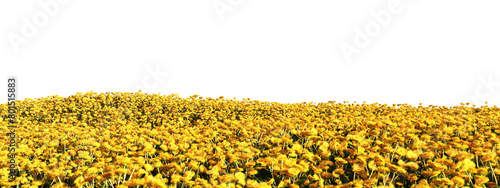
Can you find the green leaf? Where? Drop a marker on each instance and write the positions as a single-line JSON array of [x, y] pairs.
[[22, 172]]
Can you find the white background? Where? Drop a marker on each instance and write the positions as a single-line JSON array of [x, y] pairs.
[[434, 52]]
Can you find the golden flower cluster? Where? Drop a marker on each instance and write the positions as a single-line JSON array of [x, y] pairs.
[[144, 140]]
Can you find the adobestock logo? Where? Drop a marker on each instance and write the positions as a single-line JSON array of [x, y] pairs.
[[363, 37], [152, 75], [488, 84], [222, 7], [40, 19]]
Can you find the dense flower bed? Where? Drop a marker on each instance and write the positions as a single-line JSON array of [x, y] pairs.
[[138, 140]]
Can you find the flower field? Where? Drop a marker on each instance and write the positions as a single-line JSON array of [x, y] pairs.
[[143, 140]]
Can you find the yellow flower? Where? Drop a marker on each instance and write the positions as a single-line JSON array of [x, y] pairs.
[[483, 170], [437, 166], [176, 178], [226, 178], [481, 180], [340, 161], [412, 165], [410, 155], [427, 155], [148, 167], [430, 174], [188, 175], [164, 147], [468, 165], [160, 183], [240, 177], [292, 172], [250, 163], [92, 170], [442, 181], [203, 169], [488, 157], [106, 175], [131, 183], [412, 177], [371, 164], [297, 148], [401, 151], [379, 160], [336, 173], [324, 151], [311, 132], [120, 171], [357, 168]]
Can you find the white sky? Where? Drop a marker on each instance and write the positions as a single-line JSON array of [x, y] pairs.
[[435, 52]]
